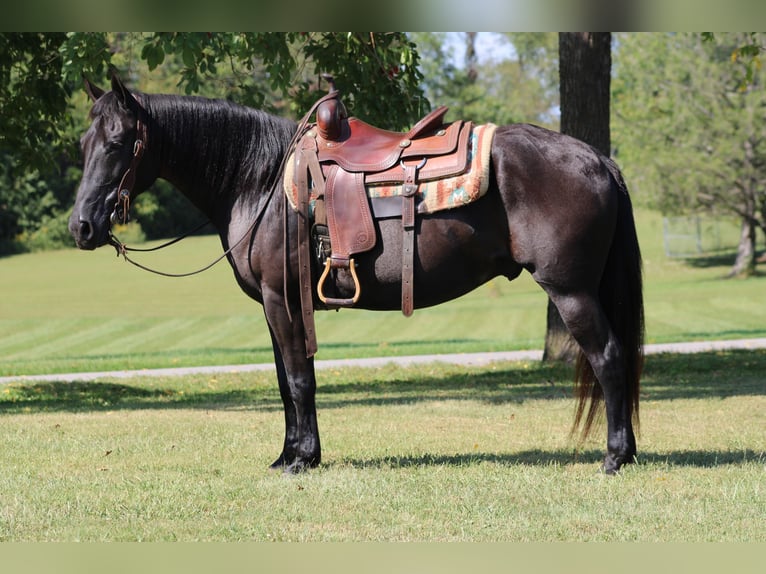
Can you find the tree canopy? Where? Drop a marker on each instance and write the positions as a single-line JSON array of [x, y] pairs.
[[520, 88], [43, 110], [689, 125]]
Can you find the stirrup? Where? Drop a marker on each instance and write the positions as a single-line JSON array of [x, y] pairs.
[[339, 302]]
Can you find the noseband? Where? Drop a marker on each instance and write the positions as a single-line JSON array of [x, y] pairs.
[[122, 204]]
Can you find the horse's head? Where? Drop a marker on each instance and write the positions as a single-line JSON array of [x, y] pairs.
[[113, 173]]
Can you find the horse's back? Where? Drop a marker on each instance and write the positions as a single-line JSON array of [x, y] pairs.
[[538, 167]]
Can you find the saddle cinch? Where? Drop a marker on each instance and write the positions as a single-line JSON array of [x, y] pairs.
[[336, 159]]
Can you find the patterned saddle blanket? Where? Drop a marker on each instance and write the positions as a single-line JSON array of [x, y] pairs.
[[432, 195]]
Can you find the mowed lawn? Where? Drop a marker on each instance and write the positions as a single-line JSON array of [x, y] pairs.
[[428, 453], [72, 311]]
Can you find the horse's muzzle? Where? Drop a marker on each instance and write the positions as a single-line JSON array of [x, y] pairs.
[[83, 233], [86, 234]]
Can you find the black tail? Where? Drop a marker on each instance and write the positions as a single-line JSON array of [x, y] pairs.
[[621, 294]]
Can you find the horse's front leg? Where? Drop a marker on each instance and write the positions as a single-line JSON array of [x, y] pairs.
[[297, 387]]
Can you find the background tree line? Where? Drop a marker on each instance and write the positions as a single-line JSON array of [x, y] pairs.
[[690, 125], [687, 110], [43, 109]]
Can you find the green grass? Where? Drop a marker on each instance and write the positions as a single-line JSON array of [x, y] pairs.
[[71, 311], [435, 453]]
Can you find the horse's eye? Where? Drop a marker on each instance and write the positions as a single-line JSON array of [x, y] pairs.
[[114, 146]]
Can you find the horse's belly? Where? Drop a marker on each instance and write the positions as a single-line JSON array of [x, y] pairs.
[[454, 254]]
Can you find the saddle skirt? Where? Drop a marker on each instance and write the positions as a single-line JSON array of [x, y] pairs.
[[434, 193]]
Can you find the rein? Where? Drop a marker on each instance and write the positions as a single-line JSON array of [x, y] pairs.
[[123, 249]]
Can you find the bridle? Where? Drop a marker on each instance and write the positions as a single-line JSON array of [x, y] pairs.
[[122, 203], [121, 211]]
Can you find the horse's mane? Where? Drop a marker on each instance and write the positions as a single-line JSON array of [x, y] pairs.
[[237, 149]]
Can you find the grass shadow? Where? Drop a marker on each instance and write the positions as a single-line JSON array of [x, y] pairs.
[[666, 377], [559, 457], [533, 457], [718, 374], [702, 458], [79, 396], [720, 259]]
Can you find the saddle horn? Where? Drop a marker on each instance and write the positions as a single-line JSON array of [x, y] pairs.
[[331, 113]]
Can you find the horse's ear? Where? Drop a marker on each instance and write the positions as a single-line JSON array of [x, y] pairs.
[[123, 94], [93, 91]]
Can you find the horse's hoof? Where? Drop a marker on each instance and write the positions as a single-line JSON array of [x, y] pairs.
[[614, 463], [297, 466], [300, 466], [279, 464]]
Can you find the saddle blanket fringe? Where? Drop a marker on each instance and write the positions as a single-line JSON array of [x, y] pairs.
[[432, 195]]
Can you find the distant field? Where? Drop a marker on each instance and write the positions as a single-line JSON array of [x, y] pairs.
[[69, 311]]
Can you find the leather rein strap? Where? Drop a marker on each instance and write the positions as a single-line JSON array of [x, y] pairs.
[[304, 265]]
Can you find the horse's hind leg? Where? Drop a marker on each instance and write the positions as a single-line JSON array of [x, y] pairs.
[[585, 318]]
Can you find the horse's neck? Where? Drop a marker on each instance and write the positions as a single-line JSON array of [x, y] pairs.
[[207, 151]]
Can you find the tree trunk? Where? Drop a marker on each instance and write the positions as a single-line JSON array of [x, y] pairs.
[[471, 59], [559, 344], [744, 265], [585, 62]]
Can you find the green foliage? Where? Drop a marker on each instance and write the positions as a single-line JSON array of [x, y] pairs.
[[748, 52], [680, 121], [84, 54], [523, 88], [33, 99], [50, 232], [380, 84], [31, 213], [689, 133], [377, 72], [162, 212], [43, 112], [38, 131]]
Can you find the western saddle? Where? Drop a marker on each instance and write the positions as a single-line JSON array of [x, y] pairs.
[[336, 158]]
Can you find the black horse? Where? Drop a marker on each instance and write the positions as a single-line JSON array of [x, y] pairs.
[[555, 207]]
